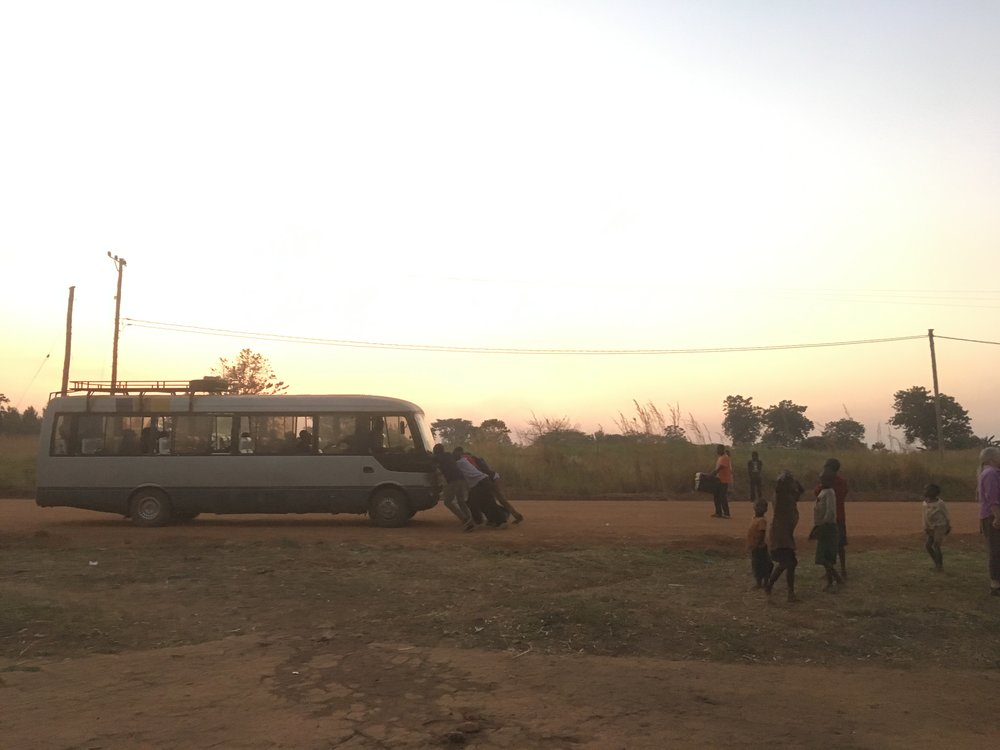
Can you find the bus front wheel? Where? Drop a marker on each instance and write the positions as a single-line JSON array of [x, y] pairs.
[[388, 507], [150, 507]]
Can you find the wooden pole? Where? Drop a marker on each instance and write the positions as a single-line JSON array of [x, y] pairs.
[[937, 394], [69, 341], [119, 264]]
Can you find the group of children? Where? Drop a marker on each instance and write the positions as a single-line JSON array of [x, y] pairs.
[[770, 558]]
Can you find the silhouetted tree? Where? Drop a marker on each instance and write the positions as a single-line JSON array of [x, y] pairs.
[[250, 373], [743, 421], [10, 417], [31, 423], [546, 431], [494, 431], [786, 424], [844, 433], [453, 432], [914, 413]]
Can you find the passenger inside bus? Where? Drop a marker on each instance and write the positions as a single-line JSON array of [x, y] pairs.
[[129, 445], [149, 438], [305, 442], [65, 445]]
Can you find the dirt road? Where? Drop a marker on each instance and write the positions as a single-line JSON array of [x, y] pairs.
[[549, 522], [290, 685]]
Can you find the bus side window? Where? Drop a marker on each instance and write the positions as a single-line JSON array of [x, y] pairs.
[[267, 434], [128, 444], [342, 435], [123, 437], [193, 434], [90, 430], [91, 446], [222, 434]]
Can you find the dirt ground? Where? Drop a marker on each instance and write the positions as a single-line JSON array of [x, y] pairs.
[[283, 688]]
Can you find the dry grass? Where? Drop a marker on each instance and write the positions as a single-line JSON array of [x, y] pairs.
[[607, 467], [17, 465]]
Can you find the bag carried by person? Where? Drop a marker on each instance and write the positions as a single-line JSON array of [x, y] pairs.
[[706, 482]]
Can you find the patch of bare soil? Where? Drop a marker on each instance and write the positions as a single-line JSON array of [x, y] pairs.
[[253, 692], [313, 632]]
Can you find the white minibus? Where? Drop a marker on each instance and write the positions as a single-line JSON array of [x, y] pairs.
[[158, 452]]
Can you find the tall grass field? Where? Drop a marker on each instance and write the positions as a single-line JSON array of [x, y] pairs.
[[662, 470], [17, 465], [667, 469]]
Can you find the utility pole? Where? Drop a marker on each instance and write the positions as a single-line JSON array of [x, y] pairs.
[[937, 393], [69, 340], [119, 264]]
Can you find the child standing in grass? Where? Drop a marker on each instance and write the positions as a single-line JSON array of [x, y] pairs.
[[825, 531], [937, 524], [787, 492], [760, 559]]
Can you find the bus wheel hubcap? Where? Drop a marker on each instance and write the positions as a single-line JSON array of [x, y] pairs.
[[149, 508]]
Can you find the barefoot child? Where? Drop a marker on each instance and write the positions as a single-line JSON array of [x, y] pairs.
[[825, 531], [760, 560], [787, 492], [937, 524]]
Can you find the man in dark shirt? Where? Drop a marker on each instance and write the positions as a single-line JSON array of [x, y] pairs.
[[484, 496], [455, 494], [755, 468]]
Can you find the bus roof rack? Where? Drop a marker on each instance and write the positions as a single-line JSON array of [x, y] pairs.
[[207, 384]]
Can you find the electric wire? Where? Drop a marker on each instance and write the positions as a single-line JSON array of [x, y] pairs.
[[971, 341], [32, 381], [260, 336]]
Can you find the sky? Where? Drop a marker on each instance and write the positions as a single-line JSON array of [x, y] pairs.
[[537, 175]]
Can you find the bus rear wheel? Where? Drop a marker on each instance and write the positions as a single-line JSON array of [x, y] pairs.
[[150, 507], [388, 508]]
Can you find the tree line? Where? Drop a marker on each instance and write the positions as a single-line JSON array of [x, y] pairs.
[[14, 422], [786, 425], [781, 425]]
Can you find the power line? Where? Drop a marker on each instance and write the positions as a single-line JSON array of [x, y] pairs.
[[259, 336], [31, 382], [971, 341]]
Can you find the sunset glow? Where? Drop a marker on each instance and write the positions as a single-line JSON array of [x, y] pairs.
[[516, 175]]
